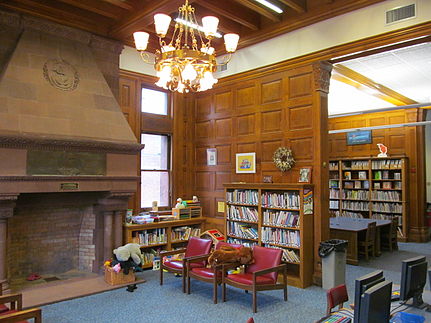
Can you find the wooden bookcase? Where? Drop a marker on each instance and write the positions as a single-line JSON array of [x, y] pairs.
[[276, 216], [165, 235], [370, 188]]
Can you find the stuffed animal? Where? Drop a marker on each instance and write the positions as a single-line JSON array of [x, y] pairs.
[[227, 254], [130, 250]]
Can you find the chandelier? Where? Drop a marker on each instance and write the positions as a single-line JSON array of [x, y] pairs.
[[187, 61]]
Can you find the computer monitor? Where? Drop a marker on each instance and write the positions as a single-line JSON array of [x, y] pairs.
[[413, 280], [375, 304], [363, 283]]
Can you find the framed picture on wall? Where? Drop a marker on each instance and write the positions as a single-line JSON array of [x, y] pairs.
[[359, 137], [211, 156], [245, 163], [305, 174]]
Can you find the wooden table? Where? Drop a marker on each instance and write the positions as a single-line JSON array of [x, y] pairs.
[[349, 229]]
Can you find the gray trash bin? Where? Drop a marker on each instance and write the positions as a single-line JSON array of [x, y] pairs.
[[333, 254]]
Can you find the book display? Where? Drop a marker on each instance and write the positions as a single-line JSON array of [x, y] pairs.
[[164, 235], [370, 188], [274, 216]]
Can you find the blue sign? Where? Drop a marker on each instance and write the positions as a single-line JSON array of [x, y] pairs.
[[359, 137]]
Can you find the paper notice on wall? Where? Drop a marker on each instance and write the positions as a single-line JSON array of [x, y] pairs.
[[220, 207]]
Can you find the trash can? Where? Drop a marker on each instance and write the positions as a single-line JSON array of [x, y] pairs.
[[333, 254]]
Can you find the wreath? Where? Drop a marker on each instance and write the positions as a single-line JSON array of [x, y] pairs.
[[283, 159]]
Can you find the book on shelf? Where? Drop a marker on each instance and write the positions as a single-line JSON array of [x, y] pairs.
[[358, 184], [285, 200], [397, 185], [376, 186], [333, 183], [348, 184], [377, 175], [397, 176], [347, 175], [362, 175], [387, 185], [366, 185]]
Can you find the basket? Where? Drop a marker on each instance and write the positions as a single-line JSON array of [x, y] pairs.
[[113, 278]]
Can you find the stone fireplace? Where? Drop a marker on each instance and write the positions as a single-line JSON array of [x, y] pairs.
[[68, 158]]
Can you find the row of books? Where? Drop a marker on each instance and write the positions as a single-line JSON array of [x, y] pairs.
[[378, 174], [148, 256], [355, 195], [356, 164], [243, 196], [281, 237], [334, 183], [355, 206], [388, 207], [387, 164], [281, 218], [286, 200], [387, 185], [288, 254], [358, 175], [245, 243], [243, 230], [149, 237], [242, 213], [357, 184], [334, 194], [386, 216], [354, 215], [184, 233], [333, 165], [386, 196], [334, 204]]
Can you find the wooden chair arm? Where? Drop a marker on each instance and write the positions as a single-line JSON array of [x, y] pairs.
[[34, 313], [188, 260], [172, 252], [270, 270], [14, 299]]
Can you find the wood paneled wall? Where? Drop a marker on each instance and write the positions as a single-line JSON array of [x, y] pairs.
[[406, 141], [259, 113]]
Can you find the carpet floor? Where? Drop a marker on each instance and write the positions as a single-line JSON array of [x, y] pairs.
[[151, 302]]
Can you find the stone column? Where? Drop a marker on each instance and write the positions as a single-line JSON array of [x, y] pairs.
[[7, 205], [118, 228], [107, 235]]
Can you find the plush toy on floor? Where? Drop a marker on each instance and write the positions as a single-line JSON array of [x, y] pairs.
[[129, 257]]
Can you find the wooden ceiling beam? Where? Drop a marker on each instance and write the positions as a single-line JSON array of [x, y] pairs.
[[103, 9], [260, 10], [225, 25], [119, 3], [299, 6], [136, 21], [363, 83], [231, 11]]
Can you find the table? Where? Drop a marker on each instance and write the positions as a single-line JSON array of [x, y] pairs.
[[349, 228]]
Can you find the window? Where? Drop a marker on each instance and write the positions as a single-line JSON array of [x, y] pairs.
[[155, 102], [155, 165]]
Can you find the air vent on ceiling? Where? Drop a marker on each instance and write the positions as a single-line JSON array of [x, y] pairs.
[[400, 13]]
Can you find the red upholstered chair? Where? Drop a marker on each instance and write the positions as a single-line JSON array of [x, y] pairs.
[[261, 275], [336, 296], [195, 247], [209, 275], [15, 312]]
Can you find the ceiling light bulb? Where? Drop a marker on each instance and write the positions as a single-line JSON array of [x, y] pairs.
[[231, 42], [162, 23], [208, 50], [141, 40], [209, 24], [189, 73]]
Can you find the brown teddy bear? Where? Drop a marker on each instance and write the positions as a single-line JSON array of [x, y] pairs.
[[227, 254]]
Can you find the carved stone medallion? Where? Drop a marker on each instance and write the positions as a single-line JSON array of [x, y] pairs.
[[60, 74]]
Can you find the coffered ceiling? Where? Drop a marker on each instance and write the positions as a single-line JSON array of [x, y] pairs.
[[118, 19]]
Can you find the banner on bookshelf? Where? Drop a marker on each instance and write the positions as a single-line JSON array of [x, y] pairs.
[[359, 137]]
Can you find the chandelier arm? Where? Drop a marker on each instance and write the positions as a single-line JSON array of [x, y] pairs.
[[207, 45], [226, 59], [146, 58]]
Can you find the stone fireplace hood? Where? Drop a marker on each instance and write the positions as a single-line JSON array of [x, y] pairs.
[[61, 127]]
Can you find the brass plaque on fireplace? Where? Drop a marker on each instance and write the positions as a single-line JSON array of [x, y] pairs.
[[65, 163]]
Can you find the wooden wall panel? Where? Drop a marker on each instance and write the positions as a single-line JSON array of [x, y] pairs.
[[300, 85], [245, 96], [245, 125], [271, 121], [224, 154], [223, 101], [203, 130], [204, 181], [223, 128], [299, 118], [203, 107], [271, 91]]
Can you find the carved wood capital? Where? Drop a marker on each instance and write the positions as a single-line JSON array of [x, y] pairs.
[[7, 205], [322, 76]]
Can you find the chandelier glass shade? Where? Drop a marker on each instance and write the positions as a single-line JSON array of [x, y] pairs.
[[187, 61]]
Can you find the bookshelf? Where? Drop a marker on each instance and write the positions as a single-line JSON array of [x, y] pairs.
[[164, 235], [275, 216], [370, 188]]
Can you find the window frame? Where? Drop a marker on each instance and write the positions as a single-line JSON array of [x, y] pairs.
[[168, 169], [169, 107]]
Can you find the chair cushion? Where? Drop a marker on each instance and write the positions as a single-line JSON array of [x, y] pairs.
[[178, 265], [3, 308], [247, 279], [205, 272], [11, 312], [265, 258]]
